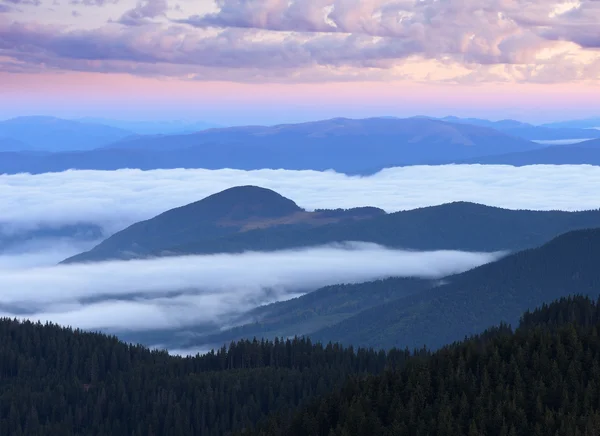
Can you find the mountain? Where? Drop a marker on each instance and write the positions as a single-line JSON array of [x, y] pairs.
[[487, 295], [589, 123], [153, 127], [299, 316], [59, 381], [540, 380], [345, 145], [453, 226], [55, 134], [10, 240], [408, 140], [235, 210], [586, 152], [535, 381], [530, 131], [10, 144]]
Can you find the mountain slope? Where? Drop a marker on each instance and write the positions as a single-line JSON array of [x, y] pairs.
[[345, 145], [589, 123], [152, 127], [219, 214], [55, 134], [453, 226], [232, 211], [581, 153], [487, 295], [529, 131], [306, 314], [58, 381], [540, 380], [10, 144]]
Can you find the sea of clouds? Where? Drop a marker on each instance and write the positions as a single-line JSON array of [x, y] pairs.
[[115, 199], [178, 292]]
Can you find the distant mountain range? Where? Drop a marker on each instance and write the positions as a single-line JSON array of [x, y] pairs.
[[56, 135], [11, 144], [586, 152], [341, 144], [353, 146], [530, 131], [588, 123], [156, 127]]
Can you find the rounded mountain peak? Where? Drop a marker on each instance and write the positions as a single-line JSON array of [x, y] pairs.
[[244, 202]]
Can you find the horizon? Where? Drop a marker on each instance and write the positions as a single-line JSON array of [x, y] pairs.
[[240, 123]]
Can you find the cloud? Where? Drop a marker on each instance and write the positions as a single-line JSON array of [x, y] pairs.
[[24, 2], [116, 199], [42, 252], [93, 2], [325, 40], [478, 25], [172, 293], [143, 11]]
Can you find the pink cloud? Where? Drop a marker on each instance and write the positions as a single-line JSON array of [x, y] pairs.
[[319, 41]]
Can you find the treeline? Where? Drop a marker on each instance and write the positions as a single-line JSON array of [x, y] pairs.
[[542, 380], [58, 381]]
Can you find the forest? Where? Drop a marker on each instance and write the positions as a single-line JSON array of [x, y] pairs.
[[541, 379]]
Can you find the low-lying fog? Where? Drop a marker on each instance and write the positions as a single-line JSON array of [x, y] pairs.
[[178, 292]]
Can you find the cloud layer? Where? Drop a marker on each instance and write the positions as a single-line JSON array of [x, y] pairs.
[[116, 199], [323, 40], [180, 292]]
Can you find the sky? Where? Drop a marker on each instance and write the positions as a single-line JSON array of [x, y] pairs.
[[268, 61]]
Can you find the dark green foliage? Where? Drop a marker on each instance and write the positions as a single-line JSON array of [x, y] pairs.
[[496, 292], [56, 381], [315, 310], [232, 211], [219, 224], [452, 226], [542, 380]]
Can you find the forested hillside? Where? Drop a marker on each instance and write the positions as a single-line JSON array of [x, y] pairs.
[[315, 310], [484, 296], [542, 380], [251, 218], [56, 381]]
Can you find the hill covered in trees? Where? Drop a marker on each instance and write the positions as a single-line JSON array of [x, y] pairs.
[[544, 379], [58, 381], [401, 312], [305, 315], [484, 296], [250, 218], [233, 211]]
